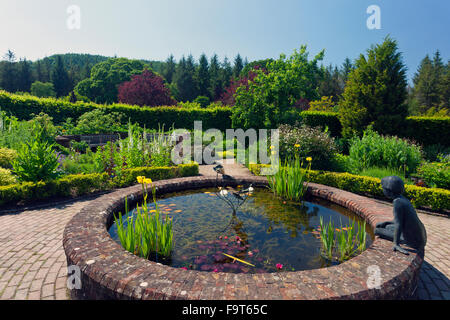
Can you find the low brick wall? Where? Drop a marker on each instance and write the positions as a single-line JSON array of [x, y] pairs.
[[110, 272]]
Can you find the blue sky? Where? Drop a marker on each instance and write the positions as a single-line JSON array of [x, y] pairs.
[[153, 29]]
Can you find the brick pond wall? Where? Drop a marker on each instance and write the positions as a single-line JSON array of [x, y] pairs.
[[110, 272]]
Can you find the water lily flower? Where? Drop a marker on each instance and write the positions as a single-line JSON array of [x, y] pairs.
[[251, 189], [250, 253], [215, 270], [279, 266]]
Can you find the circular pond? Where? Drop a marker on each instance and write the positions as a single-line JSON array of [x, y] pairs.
[[107, 271], [266, 234]]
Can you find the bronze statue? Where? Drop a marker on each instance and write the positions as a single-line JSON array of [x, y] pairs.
[[406, 227]]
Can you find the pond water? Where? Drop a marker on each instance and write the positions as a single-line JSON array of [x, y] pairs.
[[268, 233]]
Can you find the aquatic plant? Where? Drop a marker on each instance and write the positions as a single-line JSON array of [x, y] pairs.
[[147, 232], [327, 238], [289, 181]]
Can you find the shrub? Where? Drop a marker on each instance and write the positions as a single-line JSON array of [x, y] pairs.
[[6, 177], [36, 160], [78, 185], [328, 120], [7, 156], [312, 142], [374, 150], [150, 117], [99, 121], [427, 130], [436, 174], [43, 90], [147, 89], [202, 101], [324, 104]]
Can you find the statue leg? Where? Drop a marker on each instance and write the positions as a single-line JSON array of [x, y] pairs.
[[385, 233]]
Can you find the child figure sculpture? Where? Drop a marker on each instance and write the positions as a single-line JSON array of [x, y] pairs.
[[406, 227]]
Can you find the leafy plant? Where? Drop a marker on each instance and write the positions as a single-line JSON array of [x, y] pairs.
[[436, 174], [289, 181], [36, 159], [6, 177], [327, 238], [147, 233], [7, 156]]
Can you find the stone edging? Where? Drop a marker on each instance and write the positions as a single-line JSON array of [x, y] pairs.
[[110, 272]]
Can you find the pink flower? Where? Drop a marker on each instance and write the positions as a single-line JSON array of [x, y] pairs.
[[237, 238], [226, 238], [184, 268], [279, 266], [250, 253], [216, 270]]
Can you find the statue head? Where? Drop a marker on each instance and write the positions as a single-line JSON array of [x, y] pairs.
[[393, 187]]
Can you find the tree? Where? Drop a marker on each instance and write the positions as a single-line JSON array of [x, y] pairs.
[[60, 78], [376, 92], [226, 72], [24, 76], [426, 85], [186, 85], [347, 67], [266, 102], [169, 69], [43, 90], [238, 66], [202, 76], [330, 84], [8, 70], [146, 89], [227, 97], [106, 76], [215, 87]]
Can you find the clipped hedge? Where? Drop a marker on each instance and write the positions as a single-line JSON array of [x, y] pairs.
[[23, 107], [428, 130], [323, 119], [434, 198], [78, 185]]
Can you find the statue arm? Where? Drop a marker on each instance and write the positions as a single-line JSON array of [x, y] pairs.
[[398, 227]]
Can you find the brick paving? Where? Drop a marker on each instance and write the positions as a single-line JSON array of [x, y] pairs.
[[33, 264]]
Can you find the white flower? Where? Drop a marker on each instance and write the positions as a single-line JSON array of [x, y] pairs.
[[223, 192], [251, 189]]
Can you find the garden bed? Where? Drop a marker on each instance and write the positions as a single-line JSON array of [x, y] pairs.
[[110, 272]]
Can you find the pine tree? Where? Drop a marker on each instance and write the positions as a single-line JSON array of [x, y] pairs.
[[169, 69], [60, 78], [347, 67], [376, 92], [227, 72], [24, 77], [202, 76], [8, 72], [39, 71], [186, 86], [426, 82], [216, 86], [238, 66]]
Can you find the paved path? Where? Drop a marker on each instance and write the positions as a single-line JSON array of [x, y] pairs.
[[33, 263]]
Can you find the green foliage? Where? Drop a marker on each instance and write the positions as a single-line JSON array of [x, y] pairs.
[[381, 173], [82, 184], [77, 163], [43, 90], [434, 198], [328, 120], [202, 101], [264, 102], [36, 159], [307, 142], [6, 177], [376, 92], [427, 130], [374, 150], [146, 233], [101, 87], [434, 151], [151, 118], [436, 174], [289, 181], [99, 121], [327, 238], [325, 104], [7, 156]]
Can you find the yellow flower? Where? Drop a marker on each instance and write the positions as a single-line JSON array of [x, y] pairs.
[[148, 181], [140, 179], [272, 147], [297, 146], [309, 159], [274, 153]]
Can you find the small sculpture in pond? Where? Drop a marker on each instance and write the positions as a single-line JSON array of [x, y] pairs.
[[406, 227]]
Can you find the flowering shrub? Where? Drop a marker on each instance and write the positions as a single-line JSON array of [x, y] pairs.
[[307, 142], [436, 174]]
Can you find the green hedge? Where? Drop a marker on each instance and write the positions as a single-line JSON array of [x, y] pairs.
[[77, 185], [434, 198], [428, 130], [323, 119], [151, 117]]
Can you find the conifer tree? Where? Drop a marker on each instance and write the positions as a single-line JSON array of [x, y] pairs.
[[202, 76]]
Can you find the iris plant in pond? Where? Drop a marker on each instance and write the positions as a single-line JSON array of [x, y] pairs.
[[342, 243], [146, 234], [290, 181]]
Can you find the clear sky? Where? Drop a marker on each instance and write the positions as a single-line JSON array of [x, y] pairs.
[[154, 29]]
